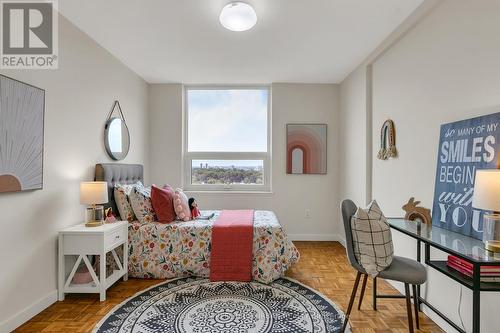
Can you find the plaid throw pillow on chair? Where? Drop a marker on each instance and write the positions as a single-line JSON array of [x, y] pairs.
[[372, 239]]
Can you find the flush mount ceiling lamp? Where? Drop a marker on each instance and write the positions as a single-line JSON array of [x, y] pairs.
[[238, 16]]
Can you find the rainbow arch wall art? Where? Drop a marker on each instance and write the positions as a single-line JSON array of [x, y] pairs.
[[22, 108], [306, 148]]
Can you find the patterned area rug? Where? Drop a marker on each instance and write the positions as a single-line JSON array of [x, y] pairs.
[[196, 305]]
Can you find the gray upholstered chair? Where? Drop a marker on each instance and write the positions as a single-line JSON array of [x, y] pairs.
[[405, 270]]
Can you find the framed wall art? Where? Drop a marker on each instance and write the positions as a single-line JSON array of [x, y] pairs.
[[464, 147], [22, 108], [306, 148]]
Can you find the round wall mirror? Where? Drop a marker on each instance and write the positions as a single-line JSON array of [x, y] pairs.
[[116, 138]]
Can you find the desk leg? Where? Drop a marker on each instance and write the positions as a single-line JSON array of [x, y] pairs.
[[476, 299], [427, 253], [476, 314], [416, 296]]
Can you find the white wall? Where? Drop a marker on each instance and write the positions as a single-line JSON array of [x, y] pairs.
[[445, 69], [353, 136], [165, 137], [292, 194], [79, 96]]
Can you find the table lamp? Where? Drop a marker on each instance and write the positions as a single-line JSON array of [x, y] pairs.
[[487, 197], [93, 194]]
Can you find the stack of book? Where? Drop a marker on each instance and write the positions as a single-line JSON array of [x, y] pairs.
[[488, 273]]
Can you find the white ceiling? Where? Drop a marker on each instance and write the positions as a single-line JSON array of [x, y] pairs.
[[293, 41]]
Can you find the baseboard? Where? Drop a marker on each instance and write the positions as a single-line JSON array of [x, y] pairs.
[[314, 237], [27, 313], [341, 240]]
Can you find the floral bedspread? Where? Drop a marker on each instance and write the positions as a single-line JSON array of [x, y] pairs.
[[181, 249]]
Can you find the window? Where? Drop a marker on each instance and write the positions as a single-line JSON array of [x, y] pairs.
[[227, 139]]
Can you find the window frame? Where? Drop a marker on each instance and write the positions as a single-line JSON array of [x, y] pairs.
[[188, 157]]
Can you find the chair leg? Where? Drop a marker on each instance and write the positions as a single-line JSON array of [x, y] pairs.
[[374, 302], [416, 305], [408, 308], [351, 301], [363, 287]]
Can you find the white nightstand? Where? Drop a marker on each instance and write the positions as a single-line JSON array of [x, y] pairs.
[[82, 242]]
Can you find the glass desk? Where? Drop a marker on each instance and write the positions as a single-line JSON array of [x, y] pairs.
[[466, 248]]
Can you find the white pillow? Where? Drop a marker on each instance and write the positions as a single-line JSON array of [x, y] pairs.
[[140, 200], [372, 239]]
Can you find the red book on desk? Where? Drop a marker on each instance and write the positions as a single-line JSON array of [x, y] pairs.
[[466, 267], [485, 277]]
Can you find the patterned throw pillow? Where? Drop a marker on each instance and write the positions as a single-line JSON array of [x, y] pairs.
[[140, 199], [181, 205], [372, 239], [121, 193]]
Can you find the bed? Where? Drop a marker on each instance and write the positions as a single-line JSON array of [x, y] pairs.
[[180, 249]]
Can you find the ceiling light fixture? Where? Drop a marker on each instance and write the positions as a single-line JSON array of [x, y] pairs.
[[238, 16]]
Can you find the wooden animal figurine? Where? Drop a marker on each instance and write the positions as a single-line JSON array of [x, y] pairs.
[[413, 212]]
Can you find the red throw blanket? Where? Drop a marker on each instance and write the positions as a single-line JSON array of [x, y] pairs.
[[232, 246]]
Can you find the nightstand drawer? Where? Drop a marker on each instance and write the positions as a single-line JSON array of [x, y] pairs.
[[115, 237], [78, 244]]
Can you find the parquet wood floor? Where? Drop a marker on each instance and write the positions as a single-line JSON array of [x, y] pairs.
[[323, 266]]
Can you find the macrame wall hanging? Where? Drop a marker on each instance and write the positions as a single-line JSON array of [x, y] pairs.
[[387, 141]]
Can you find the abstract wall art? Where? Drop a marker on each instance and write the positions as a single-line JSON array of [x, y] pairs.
[[22, 108], [306, 148]]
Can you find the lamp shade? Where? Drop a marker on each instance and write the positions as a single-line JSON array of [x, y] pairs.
[[487, 190], [92, 193]]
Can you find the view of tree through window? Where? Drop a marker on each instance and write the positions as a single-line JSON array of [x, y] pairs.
[[227, 172]]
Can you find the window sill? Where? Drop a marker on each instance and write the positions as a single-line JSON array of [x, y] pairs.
[[222, 192]]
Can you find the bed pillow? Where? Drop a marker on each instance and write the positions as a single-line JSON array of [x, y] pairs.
[[372, 239], [121, 194], [162, 200], [181, 205], [140, 199]]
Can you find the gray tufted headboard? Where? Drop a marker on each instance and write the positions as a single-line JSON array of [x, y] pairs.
[[117, 173]]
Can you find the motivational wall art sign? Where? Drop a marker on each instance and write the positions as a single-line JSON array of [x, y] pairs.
[[464, 147]]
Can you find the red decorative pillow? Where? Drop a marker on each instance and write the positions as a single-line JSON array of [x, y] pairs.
[[162, 200]]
